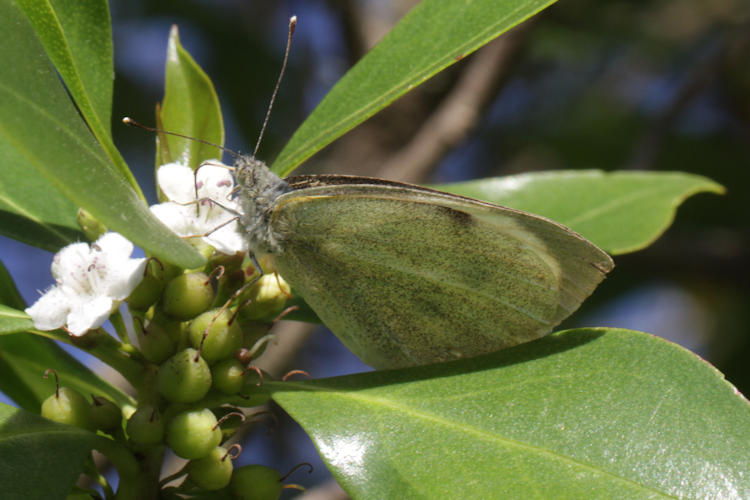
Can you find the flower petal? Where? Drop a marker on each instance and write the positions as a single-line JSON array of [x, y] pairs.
[[177, 182], [123, 278], [69, 261], [216, 182], [175, 217], [50, 310], [89, 314], [114, 247], [227, 239]]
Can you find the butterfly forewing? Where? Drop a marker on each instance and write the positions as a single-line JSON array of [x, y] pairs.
[[406, 275]]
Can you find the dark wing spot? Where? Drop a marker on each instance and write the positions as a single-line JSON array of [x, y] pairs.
[[459, 217]]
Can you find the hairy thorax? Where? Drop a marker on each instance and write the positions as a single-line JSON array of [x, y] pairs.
[[259, 189]]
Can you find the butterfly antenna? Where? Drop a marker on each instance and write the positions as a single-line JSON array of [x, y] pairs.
[[129, 121], [292, 25]]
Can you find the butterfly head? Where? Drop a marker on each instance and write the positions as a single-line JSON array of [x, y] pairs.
[[258, 191]]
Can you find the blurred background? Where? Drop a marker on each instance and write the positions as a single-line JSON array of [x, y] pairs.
[[648, 85]]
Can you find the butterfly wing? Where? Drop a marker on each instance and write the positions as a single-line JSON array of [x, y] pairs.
[[405, 275]]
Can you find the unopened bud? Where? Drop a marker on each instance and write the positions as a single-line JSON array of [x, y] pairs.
[[150, 288], [187, 295], [267, 298], [90, 226]]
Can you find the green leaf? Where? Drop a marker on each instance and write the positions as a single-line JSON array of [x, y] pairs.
[[620, 212], [588, 413], [32, 209], [9, 294], [13, 321], [41, 458], [16, 388], [191, 108], [434, 35], [42, 137], [23, 359], [78, 39]]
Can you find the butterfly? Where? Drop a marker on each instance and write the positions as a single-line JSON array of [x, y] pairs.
[[405, 275]]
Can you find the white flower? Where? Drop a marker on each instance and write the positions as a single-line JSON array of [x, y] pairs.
[[213, 186], [91, 283]]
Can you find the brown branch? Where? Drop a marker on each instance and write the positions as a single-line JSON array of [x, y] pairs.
[[279, 356], [350, 19], [460, 111]]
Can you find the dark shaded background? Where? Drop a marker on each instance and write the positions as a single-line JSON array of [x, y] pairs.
[[649, 85]]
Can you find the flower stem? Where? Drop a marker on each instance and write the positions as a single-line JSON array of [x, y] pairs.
[[102, 345], [139, 479], [119, 323], [109, 350]]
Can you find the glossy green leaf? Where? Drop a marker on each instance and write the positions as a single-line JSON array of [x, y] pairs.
[[588, 413], [431, 37], [78, 39], [621, 212], [190, 107], [41, 459], [24, 357], [13, 321], [43, 138], [32, 209]]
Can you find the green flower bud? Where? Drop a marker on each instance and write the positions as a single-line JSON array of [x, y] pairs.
[[184, 378], [255, 482], [145, 426], [187, 295], [105, 415], [212, 472], [267, 297], [173, 327], [150, 289], [193, 434], [68, 406], [228, 284], [223, 338], [228, 376], [156, 343], [90, 226]]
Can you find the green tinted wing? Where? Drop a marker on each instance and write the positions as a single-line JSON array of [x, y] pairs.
[[406, 276]]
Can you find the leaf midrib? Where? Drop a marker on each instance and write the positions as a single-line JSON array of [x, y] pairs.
[[621, 201], [483, 435]]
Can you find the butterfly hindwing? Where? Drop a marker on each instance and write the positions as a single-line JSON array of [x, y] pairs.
[[406, 275]]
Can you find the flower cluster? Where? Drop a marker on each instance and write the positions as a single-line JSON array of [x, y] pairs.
[[194, 335], [92, 280]]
